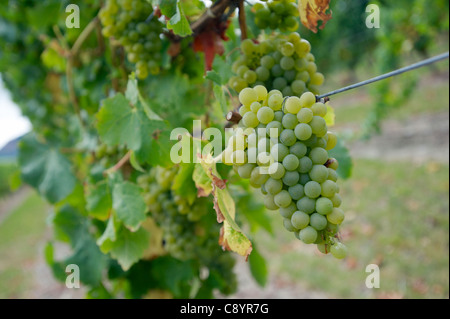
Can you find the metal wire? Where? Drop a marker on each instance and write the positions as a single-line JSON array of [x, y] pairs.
[[387, 75]]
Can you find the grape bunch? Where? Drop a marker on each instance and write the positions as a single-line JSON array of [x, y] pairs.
[[277, 14], [127, 21], [184, 232], [284, 63], [281, 146]]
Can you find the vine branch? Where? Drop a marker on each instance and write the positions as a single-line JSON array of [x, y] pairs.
[[242, 22], [119, 164]]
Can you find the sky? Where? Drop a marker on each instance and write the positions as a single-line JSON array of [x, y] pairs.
[[12, 123]]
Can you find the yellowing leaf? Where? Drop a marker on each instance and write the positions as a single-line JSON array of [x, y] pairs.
[[231, 236], [330, 116], [313, 11]]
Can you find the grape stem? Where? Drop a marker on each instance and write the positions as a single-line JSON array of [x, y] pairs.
[[242, 23], [119, 164], [233, 117]]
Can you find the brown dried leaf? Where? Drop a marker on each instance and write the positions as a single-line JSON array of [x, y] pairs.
[[313, 11]]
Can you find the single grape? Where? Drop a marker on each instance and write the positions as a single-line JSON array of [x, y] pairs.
[[308, 235], [318, 221], [300, 219], [324, 206], [312, 189]]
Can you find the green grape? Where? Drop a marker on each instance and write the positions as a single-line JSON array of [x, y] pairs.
[[273, 186], [318, 173], [292, 105], [269, 202], [255, 106], [289, 121], [279, 152], [318, 155], [279, 83], [287, 212], [298, 149], [336, 200], [318, 221], [245, 170], [250, 76], [247, 46], [336, 216], [265, 115], [306, 204], [283, 199], [308, 235], [262, 73], [247, 96], [318, 126], [305, 165], [274, 128], [287, 63], [319, 109], [291, 178], [250, 120], [312, 189], [329, 188], [332, 141], [307, 99], [300, 220], [290, 162], [288, 225], [338, 250], [275, 102], [324, 206], [287, 137], [296, 191], [278, 116], [267, 61], [303, 131]]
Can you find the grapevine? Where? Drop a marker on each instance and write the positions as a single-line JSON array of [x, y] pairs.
[[282, 148], [280, 62], [135, 26]]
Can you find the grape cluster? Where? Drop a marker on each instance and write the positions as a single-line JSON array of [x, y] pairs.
[[183, 231], [284, 63], [127, 21], [281, 146], [277, 14]]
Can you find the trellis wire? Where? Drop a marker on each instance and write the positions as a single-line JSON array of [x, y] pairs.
[[387, 75]]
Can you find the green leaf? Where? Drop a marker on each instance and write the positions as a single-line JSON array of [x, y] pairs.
[[45, 169], [220, 96], [132, 92], [99, 201], [178, 22], [183, 183], [258, 267], [341, 153], [88, 257], [109, 236], [129, 204], [69, 224], [135, 164], [214, 76], [119, 123], [129, 246], [156, 150]]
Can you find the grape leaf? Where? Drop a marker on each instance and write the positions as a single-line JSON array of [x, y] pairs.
[[183, 183], [72, 226], [177, 22], [231, 236], [129, 246], [258, 267], [202, 181], [330, 116], [128, 204], [313, 11], [341, 153], [214, 76], [98, 200], [46, 169], [120, 123], [109, 235]]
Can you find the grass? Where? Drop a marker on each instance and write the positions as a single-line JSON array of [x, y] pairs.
[[397, 218], [19, 233], [6, 169]]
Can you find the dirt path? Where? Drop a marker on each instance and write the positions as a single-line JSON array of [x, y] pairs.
[[277, 287], [418, 139], [9, 203]]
